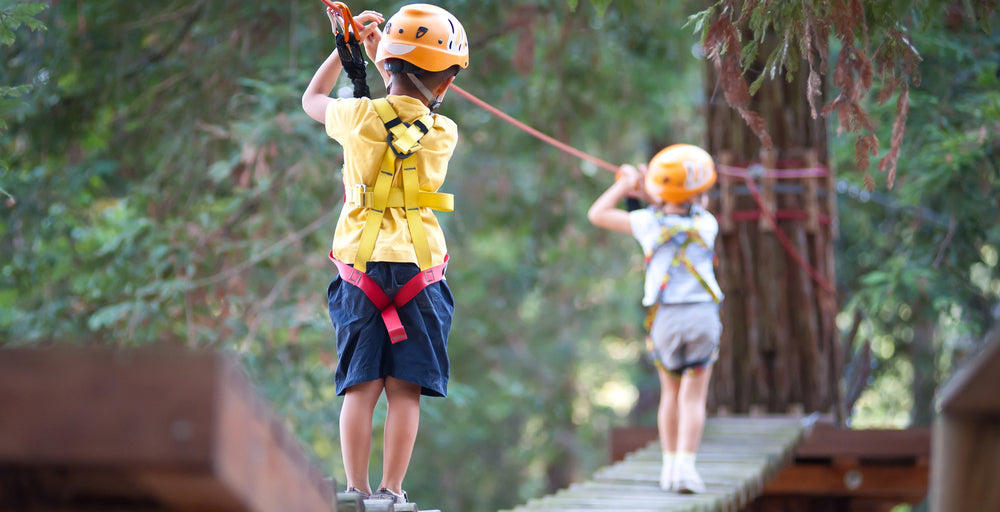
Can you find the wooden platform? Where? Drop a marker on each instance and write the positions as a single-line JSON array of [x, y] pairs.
[[145, 430], [738, 456]]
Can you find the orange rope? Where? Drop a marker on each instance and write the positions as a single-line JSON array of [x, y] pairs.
[[565, 147]]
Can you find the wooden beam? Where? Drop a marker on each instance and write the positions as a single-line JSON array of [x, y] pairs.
[[149, 429], [826, 441], [967, 462], [901, 484], [973, 389]]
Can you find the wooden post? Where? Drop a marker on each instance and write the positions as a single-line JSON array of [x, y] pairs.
[[769, 160], [812, 193], [967, 436], [726, 199]]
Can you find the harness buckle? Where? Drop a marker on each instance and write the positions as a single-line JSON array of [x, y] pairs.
[[429, 275], [354, 277], [392, 147], [358, 192]]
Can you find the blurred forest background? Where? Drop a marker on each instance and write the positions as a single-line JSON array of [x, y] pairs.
[[159, 183]]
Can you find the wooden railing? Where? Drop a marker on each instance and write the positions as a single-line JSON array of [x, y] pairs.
[[150, 430]]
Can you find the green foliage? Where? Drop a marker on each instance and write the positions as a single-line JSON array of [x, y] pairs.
[[927, 250], [12, 17], [876, 47]]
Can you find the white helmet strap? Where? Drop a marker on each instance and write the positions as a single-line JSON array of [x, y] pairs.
[[435, 101]]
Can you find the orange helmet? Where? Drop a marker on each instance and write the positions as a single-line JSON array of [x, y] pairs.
[[426, 36], [679, 172]]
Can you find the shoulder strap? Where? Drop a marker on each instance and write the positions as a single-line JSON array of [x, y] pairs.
[[402, 139]]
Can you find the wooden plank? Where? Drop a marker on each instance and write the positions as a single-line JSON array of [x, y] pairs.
[[826, 440], [150, 429], [727, 201], [967, 462], [737, 455], [972, 390], [92, 407], [900, 484], [769, 204]]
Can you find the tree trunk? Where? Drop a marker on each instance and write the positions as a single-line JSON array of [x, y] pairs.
[[779, 348]]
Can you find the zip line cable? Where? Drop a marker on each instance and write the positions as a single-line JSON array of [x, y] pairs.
[[541, 136]]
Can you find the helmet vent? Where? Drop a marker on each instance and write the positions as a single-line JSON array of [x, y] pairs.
[[421, 32]]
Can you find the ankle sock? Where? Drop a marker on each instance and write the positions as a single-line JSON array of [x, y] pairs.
[[685, 458], [669, 458]]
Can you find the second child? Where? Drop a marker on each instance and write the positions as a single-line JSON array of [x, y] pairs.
[[677, 235]]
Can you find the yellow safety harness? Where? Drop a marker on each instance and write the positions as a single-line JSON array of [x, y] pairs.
[[403, 140], [680, 258]]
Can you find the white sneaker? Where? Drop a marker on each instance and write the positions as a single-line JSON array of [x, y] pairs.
[[667, 476], [686, 480]]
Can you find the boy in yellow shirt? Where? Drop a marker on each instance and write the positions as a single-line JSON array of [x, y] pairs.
[[390, 304]]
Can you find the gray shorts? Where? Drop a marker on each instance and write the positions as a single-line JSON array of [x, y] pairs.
[[685, 336]]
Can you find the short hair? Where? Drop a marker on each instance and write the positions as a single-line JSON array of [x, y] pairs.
[[429, 78]]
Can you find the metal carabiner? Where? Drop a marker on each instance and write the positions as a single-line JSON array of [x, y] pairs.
[[343, 13]]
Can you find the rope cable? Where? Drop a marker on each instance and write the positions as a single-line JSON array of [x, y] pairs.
[[541, 136]]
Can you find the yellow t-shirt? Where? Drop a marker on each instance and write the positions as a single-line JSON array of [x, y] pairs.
[[355, 124]]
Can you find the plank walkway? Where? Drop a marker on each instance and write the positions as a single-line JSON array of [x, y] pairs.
[[738, 455]]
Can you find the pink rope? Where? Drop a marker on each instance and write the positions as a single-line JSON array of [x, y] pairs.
[[565, 147], [742, 172], [785, 242]]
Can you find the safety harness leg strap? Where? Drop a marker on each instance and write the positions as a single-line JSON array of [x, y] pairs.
[[389, 308]]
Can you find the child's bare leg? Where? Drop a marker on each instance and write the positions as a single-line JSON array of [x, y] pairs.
[[401, 423], [356, 431], [666, 413], [691, 400], [666, 424]]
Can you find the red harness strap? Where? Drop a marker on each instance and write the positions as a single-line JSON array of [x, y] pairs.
[[388, 306]]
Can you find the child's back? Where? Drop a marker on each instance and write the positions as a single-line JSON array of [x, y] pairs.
[[355, 124]]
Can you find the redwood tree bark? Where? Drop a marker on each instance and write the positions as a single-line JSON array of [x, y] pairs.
[[779, 349]]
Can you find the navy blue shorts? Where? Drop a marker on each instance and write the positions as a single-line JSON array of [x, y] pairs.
[[363, 345]]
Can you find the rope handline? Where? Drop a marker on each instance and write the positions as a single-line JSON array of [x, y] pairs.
[[545, 138], [785, 242], [743, 172]]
